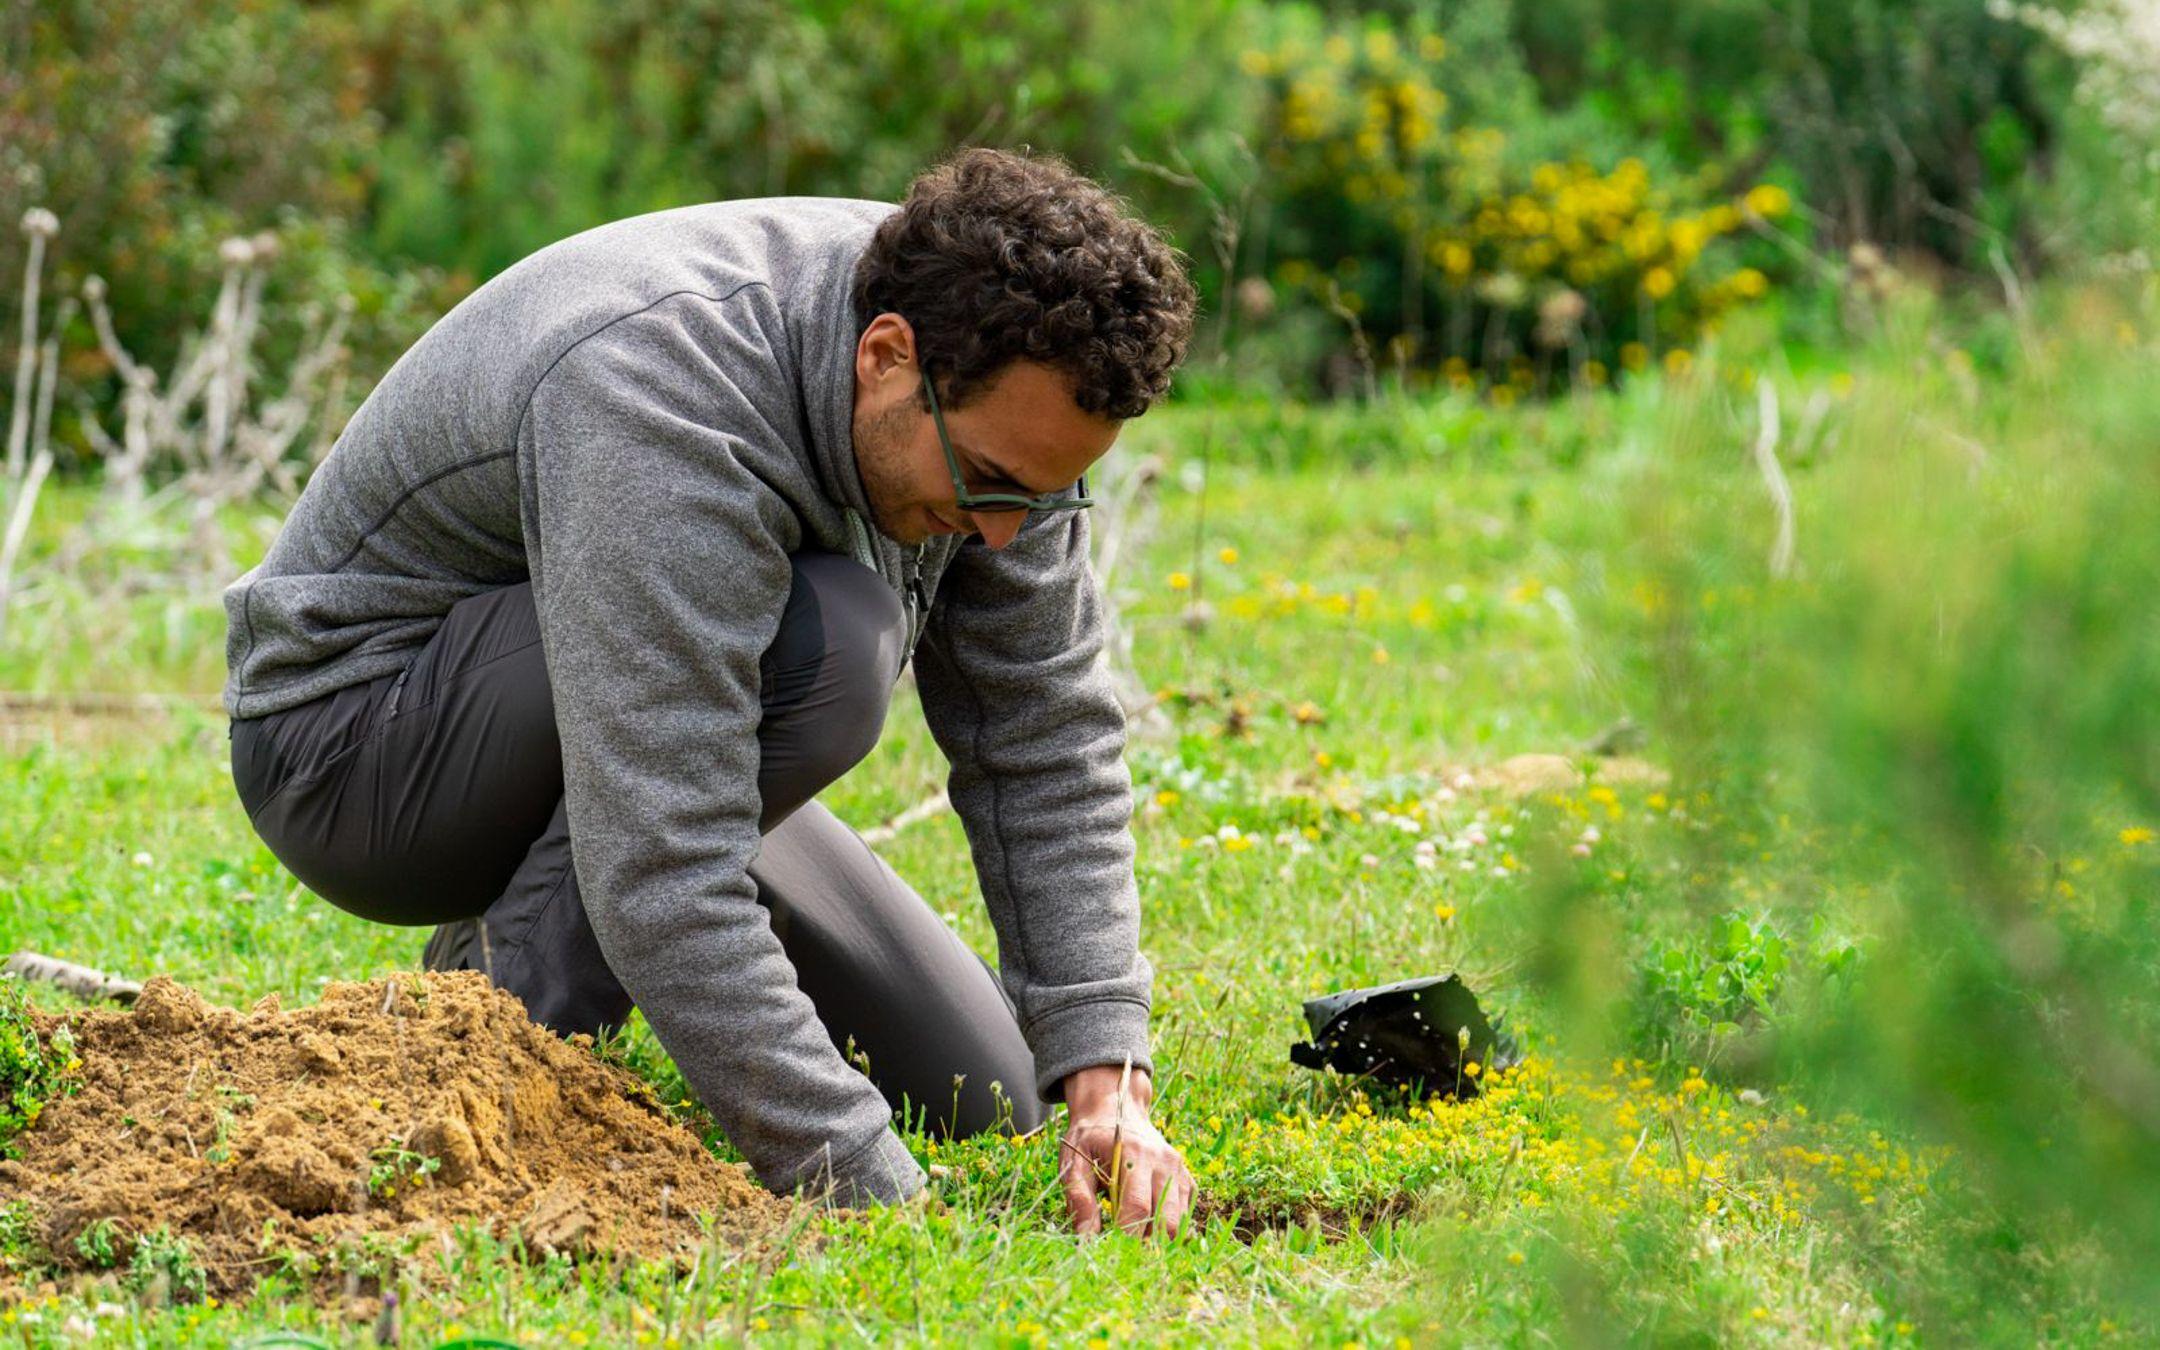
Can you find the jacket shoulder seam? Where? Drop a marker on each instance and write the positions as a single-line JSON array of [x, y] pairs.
[[525, 412], [407, 495]]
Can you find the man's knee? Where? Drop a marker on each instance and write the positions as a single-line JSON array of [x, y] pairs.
[[845, 614]]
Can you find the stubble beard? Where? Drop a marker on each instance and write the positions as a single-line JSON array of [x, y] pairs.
[[879, 461]]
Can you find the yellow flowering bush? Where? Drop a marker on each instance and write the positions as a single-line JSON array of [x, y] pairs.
[[1458, 261]]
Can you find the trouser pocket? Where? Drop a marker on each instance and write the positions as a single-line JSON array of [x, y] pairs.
[[280, 751]]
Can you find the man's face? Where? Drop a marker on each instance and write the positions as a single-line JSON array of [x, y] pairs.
[[1022, 433]]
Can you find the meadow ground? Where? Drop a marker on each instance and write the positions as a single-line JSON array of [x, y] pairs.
[[1399, 600]]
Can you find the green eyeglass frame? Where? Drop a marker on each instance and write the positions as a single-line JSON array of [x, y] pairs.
[[996, 501]]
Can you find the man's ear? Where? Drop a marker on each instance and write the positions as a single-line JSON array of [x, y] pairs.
[[886, 344]]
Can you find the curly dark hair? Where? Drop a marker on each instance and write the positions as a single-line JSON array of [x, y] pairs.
[[997, 256]]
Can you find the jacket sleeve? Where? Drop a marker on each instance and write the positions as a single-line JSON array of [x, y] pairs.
[[1015, 697], [660, 570]]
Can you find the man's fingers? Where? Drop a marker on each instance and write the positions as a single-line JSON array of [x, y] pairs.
[[1175, 1203], [1076, 1174], [1136, 1195]]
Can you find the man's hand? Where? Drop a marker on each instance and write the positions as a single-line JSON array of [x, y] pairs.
[[1111, 1148]]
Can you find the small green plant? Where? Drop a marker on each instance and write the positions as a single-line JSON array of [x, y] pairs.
[[20, 1245], [33, 1070], [98, 1244], [368, 1256], [392, 1163], [1709, 990], [220, 1150], [281, 1255], [164, 1257]]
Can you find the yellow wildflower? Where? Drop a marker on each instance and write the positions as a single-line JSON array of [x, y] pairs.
[[1768, 199]]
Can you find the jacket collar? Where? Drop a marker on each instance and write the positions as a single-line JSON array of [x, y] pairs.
[[828, 378]]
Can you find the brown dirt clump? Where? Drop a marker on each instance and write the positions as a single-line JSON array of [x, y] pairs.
[[217, 1122]]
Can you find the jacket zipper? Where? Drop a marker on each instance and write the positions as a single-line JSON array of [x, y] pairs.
[[918, 605]]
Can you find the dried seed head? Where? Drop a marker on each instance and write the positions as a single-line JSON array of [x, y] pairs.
[[39, 223], [266, 245], [93, 288], [236, 252]]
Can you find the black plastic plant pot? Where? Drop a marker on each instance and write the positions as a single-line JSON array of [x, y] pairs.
[[1414, 1034]]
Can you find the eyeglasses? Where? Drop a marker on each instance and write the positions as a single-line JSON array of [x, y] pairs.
[[997, 501]]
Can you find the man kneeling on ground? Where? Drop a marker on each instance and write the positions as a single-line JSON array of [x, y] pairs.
[[617, 568]]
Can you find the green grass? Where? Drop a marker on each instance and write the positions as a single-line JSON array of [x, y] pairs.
[[1729, 1130]]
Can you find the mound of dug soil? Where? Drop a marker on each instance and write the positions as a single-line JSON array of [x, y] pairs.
[[214, 1121]]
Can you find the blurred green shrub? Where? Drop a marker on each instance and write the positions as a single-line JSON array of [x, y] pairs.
[[1424, 233], [509, 125], [1921, 125], [156, 129]]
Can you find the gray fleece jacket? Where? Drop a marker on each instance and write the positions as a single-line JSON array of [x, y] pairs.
[[645, 420]]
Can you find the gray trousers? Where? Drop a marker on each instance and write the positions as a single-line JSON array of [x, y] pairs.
[[435, 795]]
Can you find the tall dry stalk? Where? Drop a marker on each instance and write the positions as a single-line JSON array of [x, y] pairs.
[[39, 225], [212, 422], [220, 430], [37, 369]]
